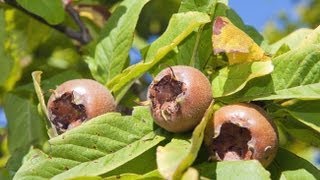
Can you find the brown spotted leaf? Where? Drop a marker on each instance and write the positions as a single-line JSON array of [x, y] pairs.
[[237, 45]]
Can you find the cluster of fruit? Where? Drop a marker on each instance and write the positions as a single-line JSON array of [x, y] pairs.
[[178, 98]]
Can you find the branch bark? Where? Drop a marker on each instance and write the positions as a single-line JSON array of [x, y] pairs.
[[82, 35]]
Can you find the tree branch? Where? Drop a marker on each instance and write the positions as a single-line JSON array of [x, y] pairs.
[[83, 35]]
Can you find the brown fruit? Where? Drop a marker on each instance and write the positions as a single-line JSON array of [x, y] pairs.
[[76, 101], [179, 97], [242, 132]]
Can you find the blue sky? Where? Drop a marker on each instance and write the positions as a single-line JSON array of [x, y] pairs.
[[258, 12]]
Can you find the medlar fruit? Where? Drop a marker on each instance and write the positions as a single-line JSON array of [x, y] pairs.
[[76, 101], [179, 97], [241, 132]]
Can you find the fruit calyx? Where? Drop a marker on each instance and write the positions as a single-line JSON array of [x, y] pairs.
[[65, 111], [164, 96], [232, 143]]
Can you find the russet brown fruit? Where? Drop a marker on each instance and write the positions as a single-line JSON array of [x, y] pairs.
[[179, 97], [76, 101], [241, 131]]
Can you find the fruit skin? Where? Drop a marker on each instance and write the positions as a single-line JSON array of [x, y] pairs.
[[88, 99], [186, 110], [263, 143]]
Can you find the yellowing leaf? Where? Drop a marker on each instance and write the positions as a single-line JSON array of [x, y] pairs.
[[237, 45]]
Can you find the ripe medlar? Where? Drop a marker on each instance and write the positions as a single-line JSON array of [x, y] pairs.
[[76, 101], [241, 132], [179, 97]]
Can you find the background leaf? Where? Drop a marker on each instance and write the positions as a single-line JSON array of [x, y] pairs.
[[29, 45], [95, 148], [5, 61], [289, 166], [174, 158], [28, 126], [180, 26], [9, 67], [111, 54], [233, 170], [52, 11]]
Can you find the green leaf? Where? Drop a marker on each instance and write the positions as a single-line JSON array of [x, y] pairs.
[[47, 84], [111, 53], [5, 61], [87, 178], [4, 174], [54, 81], [289, 166], [194, 51], [232, 79], [137, 165], [21, 37], [24, 33], [10, 68], [174, 158], [94, 148], [52, 11], [190, 174], [306, 112], [25, 125], [206, 6], [153, 175], [300, 130], [180, 26], [233, 170], [282, 49], [312, 38], [15, 160], [296, 74], [36, 77], [291, 40]]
